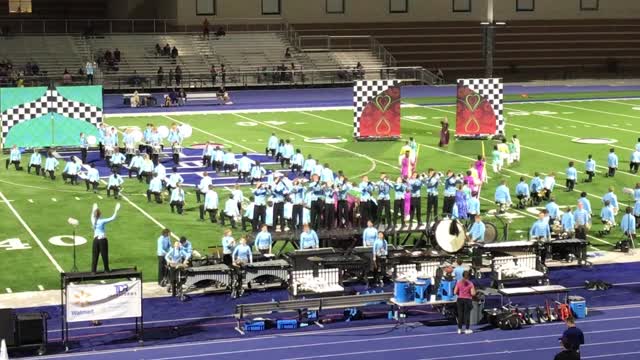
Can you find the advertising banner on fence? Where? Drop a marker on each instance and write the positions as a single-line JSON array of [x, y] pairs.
[[90, 302]]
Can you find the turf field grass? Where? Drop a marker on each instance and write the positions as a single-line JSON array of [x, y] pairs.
[[545, 130]]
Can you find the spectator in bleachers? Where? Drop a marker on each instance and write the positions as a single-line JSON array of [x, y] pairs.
[[214, 74], [158, 49], [166, 51], [174, 52], [359, 73], [220, 32], [223, 74], [80, 71], [287, 54], [170, 77], [160, 76], [108, 56], [35, 69], [117, 55], [205, 29], [182, 97], [178, 74], [66, 77], [89, 69]]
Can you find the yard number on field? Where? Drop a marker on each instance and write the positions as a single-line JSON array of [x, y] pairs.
[[14, 244]]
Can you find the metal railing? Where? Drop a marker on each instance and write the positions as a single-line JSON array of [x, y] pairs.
[[237, 78], [107, 26]]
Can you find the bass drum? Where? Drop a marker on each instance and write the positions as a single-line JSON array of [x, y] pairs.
[[490, 233], [450, 237]]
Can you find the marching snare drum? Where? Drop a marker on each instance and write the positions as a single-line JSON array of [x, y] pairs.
[[177, 149], [155, 149], [108, 150], [447, 241]]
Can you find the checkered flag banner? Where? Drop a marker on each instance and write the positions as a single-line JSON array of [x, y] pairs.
[[491, 89], [50, 102], [364, 91]]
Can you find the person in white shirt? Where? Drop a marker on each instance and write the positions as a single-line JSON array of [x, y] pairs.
[[174, 179], [230, 212], [309, 166], [92, 179], [257, 172], [203, 186], [548, 184], [155, 189], [114, 184], [35, 162], [146, 169], [218, 160], [516, 146], [177, 199], [210, 205], [297, 162], [161, 171], [238, 196], [70, 172], [244, 167], [229, 160], [135, 165]]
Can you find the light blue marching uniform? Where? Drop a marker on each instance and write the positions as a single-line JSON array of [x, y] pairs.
[[628, 224], [136, 162], [36, 159], [369, 235], [229, 159], [115, 180], [257, 172], [147, 166], [572, 173], [327, 175], [70, 168], [636, 208], [380, 247], [365, 190], [260, 196], [635, 157], [227, 245], [93, 175], [590, 165], [477, 231], [248, 211], [450, 186], [174, 179], [309, 240], [432, 184], [177, 195], [211, 200], [287, 151], [398, 191], [329, 196], [581, 217], [272, 143], [244, 164], [263, 240], [50, 164], [163, 245], [297, 159], [384, 190], [535, 185], [415, 185], [553, 209], [155, 185], [586, 204], [174, 137], [606, 214], [268, 218], [612, 198], [117, 159], [473, 206], [160, 170], [522, 189], [636, 194], [540, 229], [243, 253], [612, 160], [502, 195], [309, 165], [568, 221], [15, 155], [297, 195]]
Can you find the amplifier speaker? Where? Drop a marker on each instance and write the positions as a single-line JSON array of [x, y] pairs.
[[30, 328], [7, 323]]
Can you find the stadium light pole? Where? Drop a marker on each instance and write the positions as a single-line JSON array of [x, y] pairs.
[[488, 39]]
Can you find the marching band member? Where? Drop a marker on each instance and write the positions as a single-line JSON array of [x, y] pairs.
[[238, 196], [218, 160], [146, 137], [109, 143], [628, 224], [407, 165], [326, 175], [207, 152], [516, 147], [84, 147], [572, 177], [473, 206], [35, 161], [155, 189], [257, 172], [260, 208], [380, 249], [384, 200], [308, 166], [329, 205], [100, 247], [230, 212], [229, 161], [272, 145], [279, 191], [176, 149], [114, 183], [553, 209], [297, 161], [634, 162], [244, 167], [636, 192], [317, 170], [70, 172], [228, 245], [117, 160], [176, 201], [590, 168], [497, 159], [247, 216], [162, 249], [380, 245], [280, 150], [102, 132], [612, 162], [343, 187], [146, 169], [316, 199], [297, 198], [174, 259], [308, 238], [269, 215], [504, 152], [135, 164], [449, 192], [522, 193], [187, 248], [93, 178], [161, 171], [480, 166], [502, 196], [415, 210], [612, 199], [155, 146], [14, 158], [477, 231], [460, 203], [174, 179], [540, 229], [369, 234], [399, 189], [210, 205], [263, 241], [568, 222], [50, 165], [174, 135], [536, 188], [288, 213], [129, 144], [548, 184], [431, 182], [582, 221], [586, 204], [203, 186], [242, 253], [287, 154], [608, 217], [366, 190]]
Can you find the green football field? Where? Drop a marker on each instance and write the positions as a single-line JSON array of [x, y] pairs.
[[34, 235]]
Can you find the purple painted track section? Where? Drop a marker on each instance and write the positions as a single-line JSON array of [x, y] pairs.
[[329, 97]]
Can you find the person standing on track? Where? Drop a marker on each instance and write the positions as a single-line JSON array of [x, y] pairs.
[[465, 290], [100, 242]]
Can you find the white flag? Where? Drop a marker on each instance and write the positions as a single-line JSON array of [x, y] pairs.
[[4, 355]]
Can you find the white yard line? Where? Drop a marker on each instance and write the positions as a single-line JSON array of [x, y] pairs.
[[33, 235], [598, 111], [210, 134], [621, 103]]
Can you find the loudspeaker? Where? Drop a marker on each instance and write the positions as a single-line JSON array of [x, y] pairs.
[[7, 326], [30, 329]]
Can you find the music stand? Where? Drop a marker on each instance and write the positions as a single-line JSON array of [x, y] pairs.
[[74, 224]]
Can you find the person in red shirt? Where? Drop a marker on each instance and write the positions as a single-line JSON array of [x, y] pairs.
[[465, 290]]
